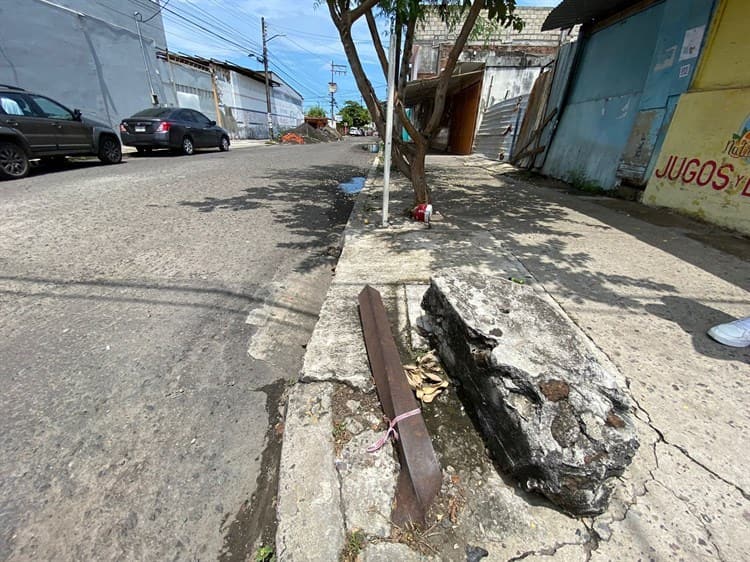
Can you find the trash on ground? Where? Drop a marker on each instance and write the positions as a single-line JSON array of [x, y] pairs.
[[426, 377], [422, 213]]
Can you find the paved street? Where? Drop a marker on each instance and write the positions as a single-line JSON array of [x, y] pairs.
[[151, 313]]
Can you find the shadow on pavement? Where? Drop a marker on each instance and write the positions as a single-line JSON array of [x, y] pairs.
[[690, 317], [560, 236], [307, 200], [44, 168]]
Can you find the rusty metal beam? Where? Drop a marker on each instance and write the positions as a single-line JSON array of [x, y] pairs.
[[420, 477]]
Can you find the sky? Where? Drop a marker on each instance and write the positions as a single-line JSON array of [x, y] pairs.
[[304, 42]]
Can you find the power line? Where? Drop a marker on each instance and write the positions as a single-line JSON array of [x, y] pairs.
[[280, 62], [157, 12], [245, 48], [223, 26]]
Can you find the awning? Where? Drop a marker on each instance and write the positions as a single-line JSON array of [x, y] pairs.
[[466, 74], [572, 12]]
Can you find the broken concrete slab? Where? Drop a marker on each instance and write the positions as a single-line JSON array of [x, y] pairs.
[[549, 403], [419, 322], [309, 501], [368, 483]]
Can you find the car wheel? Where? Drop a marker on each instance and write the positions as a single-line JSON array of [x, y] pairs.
[[187, 146], [14, 164], [110, 151], [224, 145]]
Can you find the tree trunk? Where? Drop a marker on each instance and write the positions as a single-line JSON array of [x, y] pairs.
[[409, 158], [418, 178]]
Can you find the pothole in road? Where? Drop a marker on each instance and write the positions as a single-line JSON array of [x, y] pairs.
[[353, 186]]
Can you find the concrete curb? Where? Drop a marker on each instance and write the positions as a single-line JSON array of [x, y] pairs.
[[309, 506]]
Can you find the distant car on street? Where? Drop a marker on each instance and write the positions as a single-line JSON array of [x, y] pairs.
[[179, 129], [34, 126], [355, 132]]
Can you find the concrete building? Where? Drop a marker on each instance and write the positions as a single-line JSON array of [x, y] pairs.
[[87, 55], [232, 95], [512, 59], [654, 95], [497, 67]]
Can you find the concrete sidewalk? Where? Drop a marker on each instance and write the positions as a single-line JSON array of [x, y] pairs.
[[644, 285]]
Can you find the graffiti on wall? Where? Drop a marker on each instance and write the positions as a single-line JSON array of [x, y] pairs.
[[704, 164], [722, 175], [717, 175]]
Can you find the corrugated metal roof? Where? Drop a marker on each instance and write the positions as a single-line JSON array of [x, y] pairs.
[[573, 12], [466, 74], [204, 63], [497, 135]]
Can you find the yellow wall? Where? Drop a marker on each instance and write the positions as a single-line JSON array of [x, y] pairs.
[[704, 164], [724, 62], [702, 169]]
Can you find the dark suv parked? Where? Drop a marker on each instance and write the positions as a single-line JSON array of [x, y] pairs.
[[35, 126], [182, 130]]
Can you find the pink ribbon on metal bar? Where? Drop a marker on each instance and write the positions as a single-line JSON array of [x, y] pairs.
[[392, 430]]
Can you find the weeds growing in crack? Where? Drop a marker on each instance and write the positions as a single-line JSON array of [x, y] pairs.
[[411, 534], [355, 542]]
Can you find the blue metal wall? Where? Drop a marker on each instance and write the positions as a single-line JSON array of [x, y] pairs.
[[566, 56], [626, 74]]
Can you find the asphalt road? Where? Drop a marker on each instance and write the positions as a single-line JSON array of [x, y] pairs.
[[151, 314]]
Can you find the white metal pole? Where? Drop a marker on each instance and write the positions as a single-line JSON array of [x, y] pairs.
[[389, 123]]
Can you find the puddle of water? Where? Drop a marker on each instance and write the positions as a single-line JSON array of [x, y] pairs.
[[354, 185]]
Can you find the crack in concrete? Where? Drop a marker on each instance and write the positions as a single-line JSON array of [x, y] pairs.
[[685, 452], [594, 540], [696, 517], [551, 551], [649, 420]]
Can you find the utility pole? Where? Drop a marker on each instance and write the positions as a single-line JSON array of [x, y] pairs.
[[332, 87], [389, 125], [268, 86], [266, 41], [138, 19]]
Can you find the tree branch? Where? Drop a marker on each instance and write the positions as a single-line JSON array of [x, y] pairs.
[[408, 125], [445, 75], [335, 10], [344, 27], [397, 29], [407, 53], [382, 57], [361, 10]]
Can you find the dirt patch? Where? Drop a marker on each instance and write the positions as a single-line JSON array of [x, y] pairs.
[[309, 134], [354, 411]]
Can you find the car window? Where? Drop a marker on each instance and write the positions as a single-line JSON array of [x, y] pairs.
[[184, 115], [201, 119], [154, 112], [15, 104], [51, 109]]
